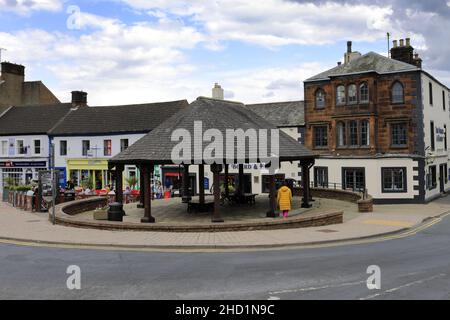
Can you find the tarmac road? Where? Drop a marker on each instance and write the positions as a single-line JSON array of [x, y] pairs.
[[415, 267]]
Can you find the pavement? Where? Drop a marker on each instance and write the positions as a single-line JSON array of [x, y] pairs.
[[34, 228], [413, 267]]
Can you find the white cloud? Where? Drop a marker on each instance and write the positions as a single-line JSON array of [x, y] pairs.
[[115, 62], [274, 23], [27, 6]]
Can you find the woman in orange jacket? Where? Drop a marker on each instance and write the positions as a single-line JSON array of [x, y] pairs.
[[284, 199]]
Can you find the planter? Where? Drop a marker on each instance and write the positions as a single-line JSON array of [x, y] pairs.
[[365, 205]]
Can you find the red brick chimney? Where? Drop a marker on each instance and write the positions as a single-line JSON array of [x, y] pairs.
[[405, 52], [79, 99]]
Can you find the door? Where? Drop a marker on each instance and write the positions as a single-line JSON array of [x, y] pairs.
[[442, 174], [354, 179]]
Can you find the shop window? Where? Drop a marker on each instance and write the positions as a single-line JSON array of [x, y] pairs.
[[394, 179], [321, 177], [354, 179]]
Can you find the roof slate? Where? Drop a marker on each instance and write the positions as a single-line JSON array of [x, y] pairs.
[[117, 119], [32, 119], [157, 146], [369, 62], [281, 114]]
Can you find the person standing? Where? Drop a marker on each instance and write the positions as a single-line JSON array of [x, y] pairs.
[[284, 199]]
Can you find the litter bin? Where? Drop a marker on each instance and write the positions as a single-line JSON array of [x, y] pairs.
[[69, 196], [115, 212]]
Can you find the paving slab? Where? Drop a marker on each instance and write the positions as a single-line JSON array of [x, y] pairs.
[[17, 225]]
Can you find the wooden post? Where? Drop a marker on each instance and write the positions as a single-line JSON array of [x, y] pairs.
[[216, 169], [306, 187], [141, 204], [119, 183], [186, 196], [148, 171], [273, 197], [201, 183], [227, 177], [241, 182]]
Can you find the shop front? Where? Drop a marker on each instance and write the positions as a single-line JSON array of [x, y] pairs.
[[20, 172], [89, 173]]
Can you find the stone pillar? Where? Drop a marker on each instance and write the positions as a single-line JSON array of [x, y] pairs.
[[119, 183], [306, 185], [186, 197], [147, 171], [273, 197], [201, 183], [141, 204], [216, 169]]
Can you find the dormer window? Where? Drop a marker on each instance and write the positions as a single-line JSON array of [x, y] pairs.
[[352, 95], [320, 99], [397, 93], [340, 95], [364, 93]]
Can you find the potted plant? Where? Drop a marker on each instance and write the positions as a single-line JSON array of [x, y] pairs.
[[132, 182], [9, 187]]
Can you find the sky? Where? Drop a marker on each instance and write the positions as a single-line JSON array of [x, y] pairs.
[[139, 51]]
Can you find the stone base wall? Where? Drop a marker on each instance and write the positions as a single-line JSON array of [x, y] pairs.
[[78, 206], [337, 194]]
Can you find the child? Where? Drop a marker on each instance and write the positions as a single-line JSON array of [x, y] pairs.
[[284, 199]]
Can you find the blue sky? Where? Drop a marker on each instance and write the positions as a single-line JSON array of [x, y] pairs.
[[132, 51]]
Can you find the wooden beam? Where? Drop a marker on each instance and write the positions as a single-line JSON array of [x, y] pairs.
[[305, 183], [141, 204], [272, 197], [216, 169], [119, 183], [148, 171], [201, 183]]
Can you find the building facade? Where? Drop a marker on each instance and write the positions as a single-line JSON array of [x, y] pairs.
[[87, 137], [24, 143], [379, 124]]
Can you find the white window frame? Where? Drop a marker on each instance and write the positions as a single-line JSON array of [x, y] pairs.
[[1, 147], [23, 146], [34, 147]]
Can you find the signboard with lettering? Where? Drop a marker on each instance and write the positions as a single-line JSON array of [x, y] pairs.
[[23, 164]]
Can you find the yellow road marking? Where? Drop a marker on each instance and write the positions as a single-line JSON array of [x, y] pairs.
[[393, 223]]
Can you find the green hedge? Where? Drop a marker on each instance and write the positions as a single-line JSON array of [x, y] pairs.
[[18, 188]]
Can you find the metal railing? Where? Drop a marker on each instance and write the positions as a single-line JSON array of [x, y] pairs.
[[340, 186]]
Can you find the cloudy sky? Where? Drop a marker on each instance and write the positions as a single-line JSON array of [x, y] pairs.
[[132, 51]]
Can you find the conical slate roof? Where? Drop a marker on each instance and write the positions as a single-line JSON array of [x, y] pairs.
[[156, 147]]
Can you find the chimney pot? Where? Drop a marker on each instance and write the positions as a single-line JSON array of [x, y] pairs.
[[339, 63], [402, 42], [408, 42], [349, 46], [394, 43], [217, 92]]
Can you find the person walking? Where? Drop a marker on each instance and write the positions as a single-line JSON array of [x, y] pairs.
[[284, 199]]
